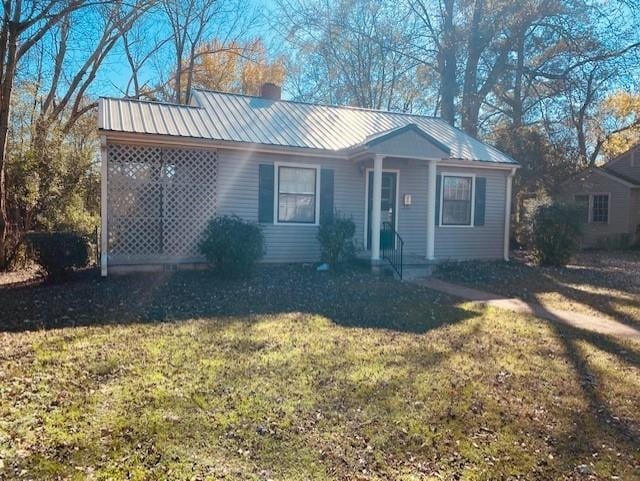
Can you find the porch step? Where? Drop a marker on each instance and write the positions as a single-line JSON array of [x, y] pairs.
[[409, 272]]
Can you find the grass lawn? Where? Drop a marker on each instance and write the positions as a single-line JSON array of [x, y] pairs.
[[599, 283], [302, 375]]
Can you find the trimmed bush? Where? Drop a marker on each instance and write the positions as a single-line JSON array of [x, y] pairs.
[[555, 233], [58, 253], [336, 240], [232, 246]]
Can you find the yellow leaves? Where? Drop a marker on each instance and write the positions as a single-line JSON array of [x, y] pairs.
[[624, 109], [236, 67]]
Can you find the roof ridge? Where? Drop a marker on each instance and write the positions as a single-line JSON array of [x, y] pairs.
[[314, 104], [153, 102]]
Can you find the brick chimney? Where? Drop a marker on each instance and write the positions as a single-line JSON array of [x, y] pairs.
[[270, 91]]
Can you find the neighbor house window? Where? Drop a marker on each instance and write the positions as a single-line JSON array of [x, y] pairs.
[[582, 201], [457, 193], [297, 191], [600, 209]]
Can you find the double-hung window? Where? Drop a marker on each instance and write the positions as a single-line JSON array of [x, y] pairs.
[[600, 208], [457, 200], [296, 189], [594, 208]]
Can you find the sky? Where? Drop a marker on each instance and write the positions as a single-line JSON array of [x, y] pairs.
[[115, 72]]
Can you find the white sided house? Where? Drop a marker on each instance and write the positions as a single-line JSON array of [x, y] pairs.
[[420, 184]]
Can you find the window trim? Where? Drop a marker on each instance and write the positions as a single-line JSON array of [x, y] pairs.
[[591, 195], [588, 196], [472, 219], [276, 191], [591, 201]]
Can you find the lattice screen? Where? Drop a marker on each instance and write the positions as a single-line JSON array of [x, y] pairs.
[[159, 200]]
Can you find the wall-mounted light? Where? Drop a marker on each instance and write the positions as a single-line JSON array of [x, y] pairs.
[[406, 199]]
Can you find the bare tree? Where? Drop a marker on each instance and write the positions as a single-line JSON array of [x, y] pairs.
[[139, 49], [23, 25], [65, 100], [350, 52], [192, 22]]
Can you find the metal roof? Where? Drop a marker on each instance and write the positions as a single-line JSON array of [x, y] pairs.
[[255, 120]]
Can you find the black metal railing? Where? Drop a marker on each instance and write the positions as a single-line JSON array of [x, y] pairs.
[[391, 245]]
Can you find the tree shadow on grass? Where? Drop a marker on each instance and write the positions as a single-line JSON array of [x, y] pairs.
[[530, 283], [580, 444], [350, 299]]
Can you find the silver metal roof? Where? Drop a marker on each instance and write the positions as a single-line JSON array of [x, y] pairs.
[[241, 118]]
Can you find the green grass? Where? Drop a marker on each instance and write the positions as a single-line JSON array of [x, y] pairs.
[[340, 377]]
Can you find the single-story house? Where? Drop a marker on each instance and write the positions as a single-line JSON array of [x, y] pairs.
[[167, 169], [610, 197]]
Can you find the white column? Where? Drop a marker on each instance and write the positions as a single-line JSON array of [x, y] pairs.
[[507, 214], [104, 233], [431, 210], [375, 207]]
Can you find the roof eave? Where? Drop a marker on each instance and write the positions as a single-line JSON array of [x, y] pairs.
[[201, 142]]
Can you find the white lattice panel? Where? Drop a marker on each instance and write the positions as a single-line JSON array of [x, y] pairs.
[[159, 200]]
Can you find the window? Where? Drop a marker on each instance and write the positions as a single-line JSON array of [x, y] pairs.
[[582, 201], [600, 209], [296, 189], [457, 194]]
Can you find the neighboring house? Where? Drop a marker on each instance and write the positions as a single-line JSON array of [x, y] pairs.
[[167, 169], [610, 200]]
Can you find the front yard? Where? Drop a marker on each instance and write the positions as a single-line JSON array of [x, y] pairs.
[[301, 375]]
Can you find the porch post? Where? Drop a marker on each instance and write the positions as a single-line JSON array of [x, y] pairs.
[[431, 211], [104, 233], [507, 214], [375, 207]]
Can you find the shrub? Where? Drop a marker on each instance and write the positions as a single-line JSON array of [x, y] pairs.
[[336, 240], [58, 253], [527, 208], [555, 233], [232, 246]]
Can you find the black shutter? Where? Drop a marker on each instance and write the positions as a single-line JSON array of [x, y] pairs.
[[326, 195], [265, 194], [438, 188], [481, 200]]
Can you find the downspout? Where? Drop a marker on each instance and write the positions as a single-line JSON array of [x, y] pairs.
[[507, 213]]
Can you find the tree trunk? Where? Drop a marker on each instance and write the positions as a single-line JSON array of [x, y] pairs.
[[517, 102], [447, 65], [5, 105], [470, 102]]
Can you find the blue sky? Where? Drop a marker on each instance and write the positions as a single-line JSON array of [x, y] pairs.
[[115, 72]]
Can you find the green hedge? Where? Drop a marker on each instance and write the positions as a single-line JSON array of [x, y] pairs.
[[59, 253], [232, 246]]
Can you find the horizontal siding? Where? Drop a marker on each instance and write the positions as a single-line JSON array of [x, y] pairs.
[[478, 242], [628, 165], [619, 213], [409, 144], [412, 220], [238, 194]]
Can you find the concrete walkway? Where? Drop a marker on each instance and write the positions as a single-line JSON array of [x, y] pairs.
[[599, 324]]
